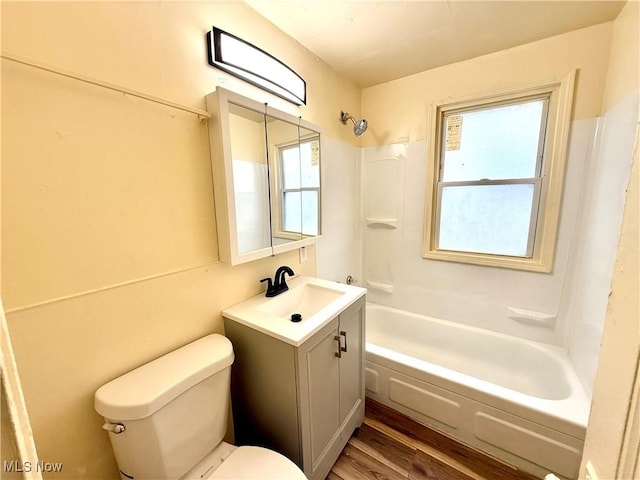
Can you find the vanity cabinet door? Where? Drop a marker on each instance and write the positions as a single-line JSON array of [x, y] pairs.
[[331, 389], [351, 368], [319, 374]]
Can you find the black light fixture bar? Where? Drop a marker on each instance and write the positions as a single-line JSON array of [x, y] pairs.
[[252, 64]]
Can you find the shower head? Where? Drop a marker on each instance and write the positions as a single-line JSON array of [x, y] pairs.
[[359, 126]]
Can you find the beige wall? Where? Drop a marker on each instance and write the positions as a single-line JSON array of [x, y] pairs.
[[624, 62], [397, 111], [620, 349], [109, 252]]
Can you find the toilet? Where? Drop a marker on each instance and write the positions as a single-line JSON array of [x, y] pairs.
[[167, 419]]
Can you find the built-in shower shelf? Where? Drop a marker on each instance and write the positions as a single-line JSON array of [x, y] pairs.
[[532, 317], [382, 222], [385, 287]]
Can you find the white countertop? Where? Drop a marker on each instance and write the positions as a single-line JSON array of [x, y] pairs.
[[252, 312]]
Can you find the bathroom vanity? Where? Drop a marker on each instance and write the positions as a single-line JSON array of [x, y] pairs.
[[299, 388]]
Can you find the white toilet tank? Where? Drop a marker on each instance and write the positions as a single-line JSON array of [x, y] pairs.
[[174, 409]]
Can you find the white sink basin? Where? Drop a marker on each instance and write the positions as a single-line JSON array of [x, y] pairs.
[[306, 299], [317, 301]]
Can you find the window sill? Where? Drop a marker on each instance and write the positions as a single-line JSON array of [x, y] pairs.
[[500, 261]]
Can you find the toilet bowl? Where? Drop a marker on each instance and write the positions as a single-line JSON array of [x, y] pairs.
[[228, 462], [167, 419]]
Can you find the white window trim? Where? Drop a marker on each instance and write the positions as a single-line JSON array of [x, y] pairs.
[[560, 90], [276, 199], [278, 229]]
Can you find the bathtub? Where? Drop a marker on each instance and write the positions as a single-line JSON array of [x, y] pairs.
[[514, 399]]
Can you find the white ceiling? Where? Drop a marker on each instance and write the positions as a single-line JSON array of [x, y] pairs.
[[372, 42]]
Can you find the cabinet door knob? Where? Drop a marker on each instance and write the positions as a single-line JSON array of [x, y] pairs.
[[337, 338]]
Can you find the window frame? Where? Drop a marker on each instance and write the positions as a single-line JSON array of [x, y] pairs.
[[544, 226]]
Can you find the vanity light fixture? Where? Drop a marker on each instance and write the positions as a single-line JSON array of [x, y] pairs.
[[248, 62]]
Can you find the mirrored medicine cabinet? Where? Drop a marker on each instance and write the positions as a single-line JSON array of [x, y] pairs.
[[266, 178]]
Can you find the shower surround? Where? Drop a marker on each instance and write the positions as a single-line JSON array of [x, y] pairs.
[[535, 306], [421, 307]]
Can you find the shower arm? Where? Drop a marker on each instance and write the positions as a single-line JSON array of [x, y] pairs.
[[345, 116]]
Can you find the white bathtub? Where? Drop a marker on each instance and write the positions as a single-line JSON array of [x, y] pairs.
[[516, 400]]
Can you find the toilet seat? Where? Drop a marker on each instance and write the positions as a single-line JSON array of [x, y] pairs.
[[257, 463]]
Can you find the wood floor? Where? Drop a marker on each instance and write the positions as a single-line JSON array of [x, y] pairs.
[[390, 446]]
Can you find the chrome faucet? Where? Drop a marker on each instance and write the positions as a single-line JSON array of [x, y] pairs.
[[278, 285]]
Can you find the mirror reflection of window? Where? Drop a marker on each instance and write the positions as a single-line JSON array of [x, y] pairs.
[[284, 169], [300, 186]]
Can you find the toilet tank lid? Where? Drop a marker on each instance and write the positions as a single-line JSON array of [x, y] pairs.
[[148, 388]]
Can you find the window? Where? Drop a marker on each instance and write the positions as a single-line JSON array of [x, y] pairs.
[[300, 187], [495, 176]]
